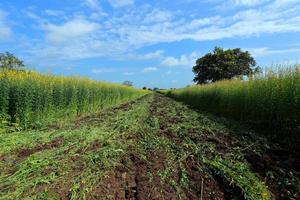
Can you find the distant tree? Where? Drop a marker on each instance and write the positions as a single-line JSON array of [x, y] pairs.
[[128, 83], [9, 61], [224, 64], [144, 88]]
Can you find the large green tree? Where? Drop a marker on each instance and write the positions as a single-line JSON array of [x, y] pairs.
[[9, 61], [224, 64]]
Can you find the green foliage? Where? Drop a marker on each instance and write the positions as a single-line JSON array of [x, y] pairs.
[[76, 163], [272, 99], [4, 92], [102, 145], [9, 61], [30, 99], [240, 174], [128, 83], [224, 64]]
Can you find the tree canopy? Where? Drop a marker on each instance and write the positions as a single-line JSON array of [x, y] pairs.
[[224, 64], [9, 61], [128, 83]]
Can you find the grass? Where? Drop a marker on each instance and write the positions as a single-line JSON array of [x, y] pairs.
[[30, 99]]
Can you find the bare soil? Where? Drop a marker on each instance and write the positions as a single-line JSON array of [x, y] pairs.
[[23, 153], [273, 166]]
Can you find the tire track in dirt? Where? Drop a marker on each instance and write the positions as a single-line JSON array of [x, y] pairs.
[[106, 114], [62, 187], [275, 166], [23, 153], [138, 178], [202, 185], [26, 152], [129, 180]]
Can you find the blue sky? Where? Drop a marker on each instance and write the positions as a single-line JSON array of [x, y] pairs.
[[151, 43]]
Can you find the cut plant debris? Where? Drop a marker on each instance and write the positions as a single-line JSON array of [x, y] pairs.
[[149, 148]]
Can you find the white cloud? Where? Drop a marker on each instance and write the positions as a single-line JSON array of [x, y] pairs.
[[148, 56], [70, 30], [152, 55], [92, 4], [265, 51], [149, 69], [68, 68], [98, 15], [183, 60], [247, 2], [5, 30], [129, 73], [31, 13], [103, 70], [158, 15], [233, 4], [286, 62], [97, 71], [97, 10], [198, 23], [171, 61], [120, 3], [169, 72], [53, 13], [121, 33], [251, 22]]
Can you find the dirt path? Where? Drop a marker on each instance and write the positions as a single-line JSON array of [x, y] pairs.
[[150, 148], [162, 163], [171, 169]]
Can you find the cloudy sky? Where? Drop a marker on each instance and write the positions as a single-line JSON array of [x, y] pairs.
[[152, 43]]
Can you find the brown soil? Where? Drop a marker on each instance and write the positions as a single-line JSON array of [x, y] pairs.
[[138, 178], [106, 114], [273, 166], [108, 186], [202, 183], [280, 163], [62, 187], [23, 153], [131, 180]]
